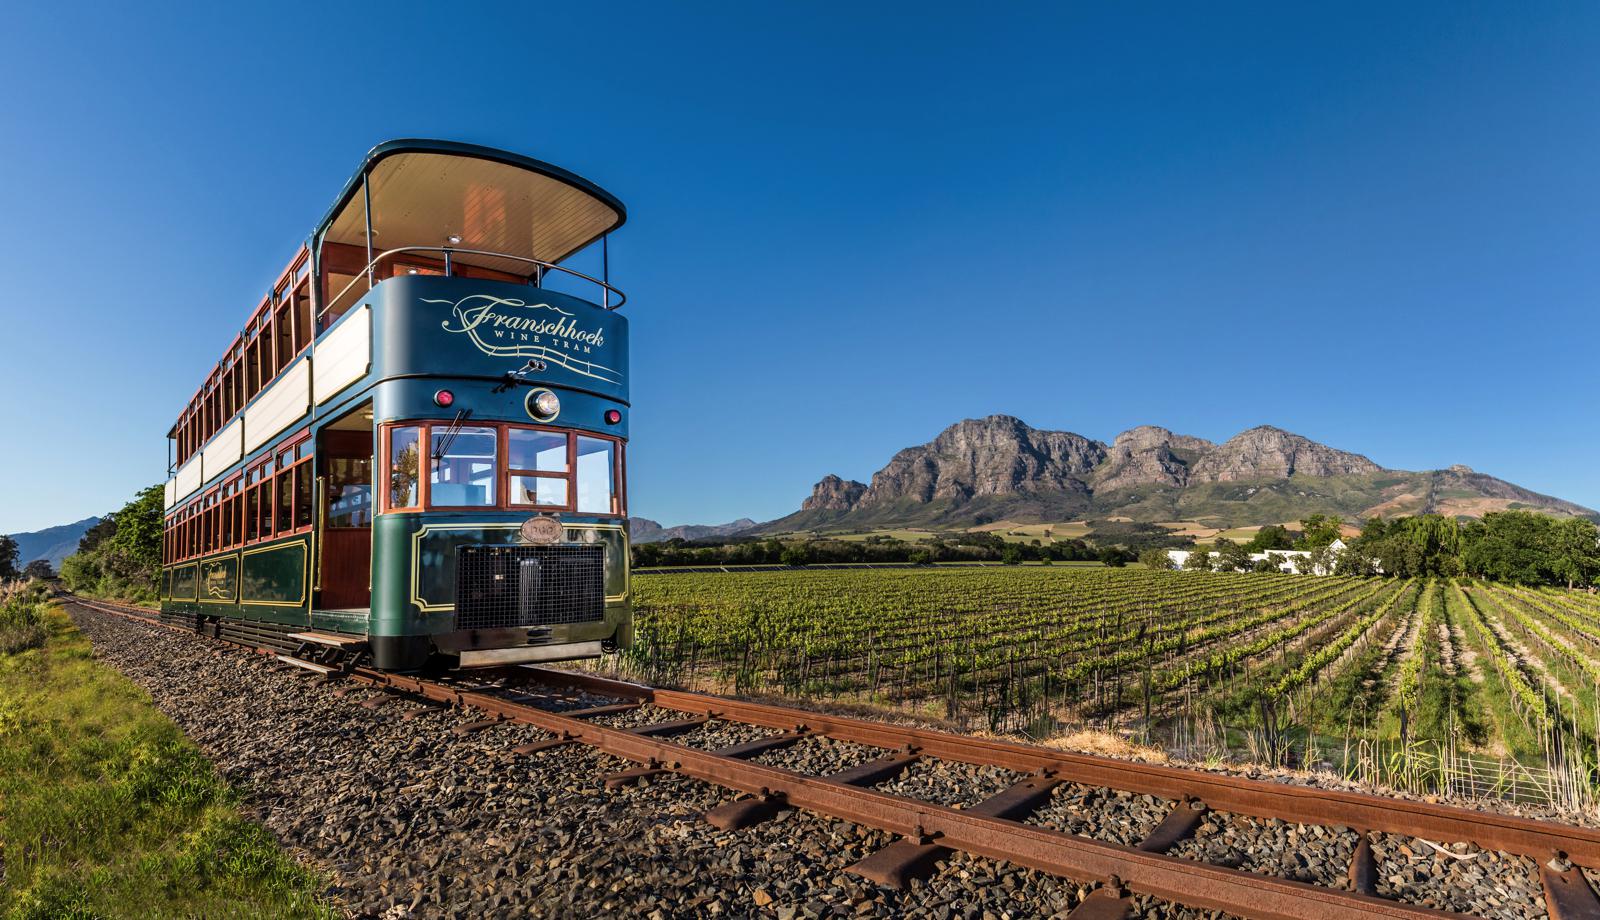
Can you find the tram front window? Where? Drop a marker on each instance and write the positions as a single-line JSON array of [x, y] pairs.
[[596, 492], [465, 467]]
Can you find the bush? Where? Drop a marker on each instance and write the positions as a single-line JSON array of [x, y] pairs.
[[22, 615]]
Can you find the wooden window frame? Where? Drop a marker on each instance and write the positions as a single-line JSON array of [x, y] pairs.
[[503, 471]]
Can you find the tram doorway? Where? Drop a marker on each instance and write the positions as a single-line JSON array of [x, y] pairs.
[[344, 471]]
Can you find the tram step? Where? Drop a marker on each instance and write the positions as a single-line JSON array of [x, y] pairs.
[[348, 643], [308, 665]]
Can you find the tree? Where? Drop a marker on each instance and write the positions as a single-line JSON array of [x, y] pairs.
[[1156, 559], [1318, 530], [1115, 556], [1512, 546], [1264, 566], [1576, 548], [1272, 536], [1011, 555], [795, 555], [1353, 560], [1231, 556], [1199, 560], [38, 568], [8, 557]]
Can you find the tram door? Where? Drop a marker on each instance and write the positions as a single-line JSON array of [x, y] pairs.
[[345, 468]]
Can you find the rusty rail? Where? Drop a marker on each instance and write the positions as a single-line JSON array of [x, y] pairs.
[[994, 828]]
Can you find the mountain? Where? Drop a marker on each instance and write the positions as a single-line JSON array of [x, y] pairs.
[[644, 530], [53, 543], [997, 468]]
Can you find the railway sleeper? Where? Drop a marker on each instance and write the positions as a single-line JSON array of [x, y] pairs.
[[915, 856]]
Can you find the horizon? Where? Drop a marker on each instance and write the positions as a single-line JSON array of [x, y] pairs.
[[1372, 230]]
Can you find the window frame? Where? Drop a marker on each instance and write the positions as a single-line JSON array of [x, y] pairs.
[[503, 470]]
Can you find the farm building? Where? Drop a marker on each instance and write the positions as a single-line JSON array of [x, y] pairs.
[[1291, 560]]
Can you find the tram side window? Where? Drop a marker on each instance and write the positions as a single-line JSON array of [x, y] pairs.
[[596, 489], [349, 492], [464, 467], [252, 513], [404, 452], [285, 481], [302, 496]]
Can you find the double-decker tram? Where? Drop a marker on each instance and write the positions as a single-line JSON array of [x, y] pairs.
[[415, 449]]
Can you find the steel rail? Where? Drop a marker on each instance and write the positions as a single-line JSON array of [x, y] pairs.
[[1260, 798], [1143, 869]]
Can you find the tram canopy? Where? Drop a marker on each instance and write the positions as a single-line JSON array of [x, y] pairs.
[[444, 194]]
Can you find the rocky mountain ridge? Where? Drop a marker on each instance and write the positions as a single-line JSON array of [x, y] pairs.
[[999, 468]]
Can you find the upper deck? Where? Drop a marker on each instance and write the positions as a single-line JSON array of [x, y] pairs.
[[414, 208]]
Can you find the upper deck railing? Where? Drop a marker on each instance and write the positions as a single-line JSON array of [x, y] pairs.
[[368, 273]]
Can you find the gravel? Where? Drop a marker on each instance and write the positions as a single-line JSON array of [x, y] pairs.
[[958, 785], [1487, 883], [1112, 815], [411, 820], [1299, 852]]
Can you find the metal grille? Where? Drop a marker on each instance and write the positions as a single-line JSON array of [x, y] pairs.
[[504, 586]]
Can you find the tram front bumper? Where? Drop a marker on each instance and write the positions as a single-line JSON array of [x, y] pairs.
[[565, 651]]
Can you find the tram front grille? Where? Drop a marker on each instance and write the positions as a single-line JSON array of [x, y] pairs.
[[508, 586]]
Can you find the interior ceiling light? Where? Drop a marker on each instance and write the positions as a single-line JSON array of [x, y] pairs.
[[454, 238]]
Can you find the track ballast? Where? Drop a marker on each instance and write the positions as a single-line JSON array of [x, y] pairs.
[[737, 745]]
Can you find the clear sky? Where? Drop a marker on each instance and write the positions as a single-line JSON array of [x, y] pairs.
[[853, 224]]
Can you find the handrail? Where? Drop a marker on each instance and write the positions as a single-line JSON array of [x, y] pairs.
[[366, 272]]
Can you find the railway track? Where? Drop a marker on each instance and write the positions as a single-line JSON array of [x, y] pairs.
[[562, 704]]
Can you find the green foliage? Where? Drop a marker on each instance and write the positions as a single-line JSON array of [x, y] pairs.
[[121, 555], [111, 812], [1318, 530], [1156, 559], [1115, 556], [1231, 556], [8, 557], [1530, 549], [21, 616], [1198, 561], [1272, 536]]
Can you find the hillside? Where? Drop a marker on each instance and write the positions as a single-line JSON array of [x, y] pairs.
[[644, 530], [53, 543], [1000, 469]]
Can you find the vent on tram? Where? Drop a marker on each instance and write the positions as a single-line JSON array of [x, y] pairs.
[[508, 586]]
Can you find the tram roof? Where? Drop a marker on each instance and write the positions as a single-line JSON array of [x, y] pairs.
[[424, 191]]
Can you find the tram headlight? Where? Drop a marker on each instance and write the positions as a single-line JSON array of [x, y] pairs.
[[543, 405]]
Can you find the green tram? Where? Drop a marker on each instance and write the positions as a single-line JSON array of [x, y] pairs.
[[416, 448]]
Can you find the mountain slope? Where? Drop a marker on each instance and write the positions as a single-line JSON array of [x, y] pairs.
[[644, 530], [998, 468], [52, 544]]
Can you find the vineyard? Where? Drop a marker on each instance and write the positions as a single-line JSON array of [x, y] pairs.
[[1420, 682]]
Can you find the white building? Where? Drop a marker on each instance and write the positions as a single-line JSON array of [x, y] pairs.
[[1293, 561]]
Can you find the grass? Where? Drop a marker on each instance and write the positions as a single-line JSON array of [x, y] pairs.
[[107, 810]]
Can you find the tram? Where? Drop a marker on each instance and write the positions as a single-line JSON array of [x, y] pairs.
[[415, 450]]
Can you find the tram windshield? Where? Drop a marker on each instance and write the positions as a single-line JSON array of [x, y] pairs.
[[543, 468]]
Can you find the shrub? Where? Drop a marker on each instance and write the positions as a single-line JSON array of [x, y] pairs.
[[22, 615]]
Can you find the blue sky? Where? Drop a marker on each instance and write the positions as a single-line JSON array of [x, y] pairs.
[[852, 224]]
